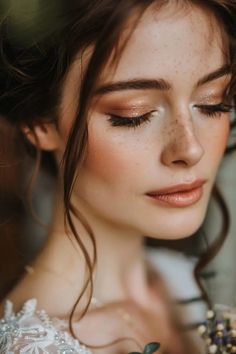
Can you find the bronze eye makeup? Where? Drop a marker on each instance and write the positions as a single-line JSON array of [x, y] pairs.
[[130, 112], [213, 92], [131, 100]]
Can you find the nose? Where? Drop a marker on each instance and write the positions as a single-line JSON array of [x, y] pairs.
[[182, 147]]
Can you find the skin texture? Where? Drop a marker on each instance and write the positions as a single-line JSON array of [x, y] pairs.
[[180, 144]]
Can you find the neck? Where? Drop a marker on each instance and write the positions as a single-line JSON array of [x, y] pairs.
[[120, 271], [121, 267]]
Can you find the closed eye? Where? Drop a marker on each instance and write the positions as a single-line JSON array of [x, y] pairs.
[[119, 121], [214, 110]]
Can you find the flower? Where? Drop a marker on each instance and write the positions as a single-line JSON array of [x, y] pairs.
[[219, 331]]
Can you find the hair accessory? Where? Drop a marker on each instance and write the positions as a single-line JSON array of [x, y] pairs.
[[219, 331]]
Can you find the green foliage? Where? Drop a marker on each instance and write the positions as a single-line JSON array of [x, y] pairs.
[[149, 348]]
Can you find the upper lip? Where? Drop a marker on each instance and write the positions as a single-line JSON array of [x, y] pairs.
[[182, 187]]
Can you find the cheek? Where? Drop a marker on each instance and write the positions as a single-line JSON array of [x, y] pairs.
[[103, 159], [220, 138], [215, 141], [111, 158]]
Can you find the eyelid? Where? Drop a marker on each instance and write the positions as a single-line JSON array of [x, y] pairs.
[[213, 96], [219, 105], [133, 117], [130, 112], [214, 110], [130, 122]]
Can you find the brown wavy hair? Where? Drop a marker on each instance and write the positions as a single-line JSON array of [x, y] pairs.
[[36, 54]]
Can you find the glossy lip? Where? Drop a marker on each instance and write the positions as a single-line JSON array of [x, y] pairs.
[[181, 195], [183, 187]]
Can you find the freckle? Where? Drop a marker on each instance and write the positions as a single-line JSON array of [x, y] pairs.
[[174, 148]]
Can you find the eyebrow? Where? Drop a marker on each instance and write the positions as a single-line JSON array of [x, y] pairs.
[[134, 84], [222, 71], [159, 84]]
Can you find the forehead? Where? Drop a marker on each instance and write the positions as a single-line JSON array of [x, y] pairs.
[[170, 42]]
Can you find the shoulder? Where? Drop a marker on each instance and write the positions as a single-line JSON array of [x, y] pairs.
[[31, 330]]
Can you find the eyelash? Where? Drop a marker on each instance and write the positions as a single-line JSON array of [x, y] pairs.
[[133, 122], [214, 111]]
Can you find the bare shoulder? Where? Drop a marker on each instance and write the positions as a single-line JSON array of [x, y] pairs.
[[23, 291], [46, 289]]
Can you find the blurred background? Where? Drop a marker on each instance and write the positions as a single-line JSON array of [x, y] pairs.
[[24, 217]]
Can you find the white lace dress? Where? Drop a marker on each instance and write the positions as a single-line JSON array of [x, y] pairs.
[[31, 331]]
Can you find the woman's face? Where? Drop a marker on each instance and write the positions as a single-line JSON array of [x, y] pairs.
[[158, 127]]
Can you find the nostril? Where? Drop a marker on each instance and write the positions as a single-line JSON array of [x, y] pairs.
[[184, 153], [180, 162]]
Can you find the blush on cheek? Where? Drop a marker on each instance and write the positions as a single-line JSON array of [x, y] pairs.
[[105, 159], [221, 138]]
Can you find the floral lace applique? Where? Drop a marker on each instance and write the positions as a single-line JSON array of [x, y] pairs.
[[31, 331]]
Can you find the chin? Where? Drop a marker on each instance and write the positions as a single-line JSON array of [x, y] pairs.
[[178, 226], [180, 233], [175, 234]]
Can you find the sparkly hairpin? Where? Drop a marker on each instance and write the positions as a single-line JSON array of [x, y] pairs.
[[219, 332]]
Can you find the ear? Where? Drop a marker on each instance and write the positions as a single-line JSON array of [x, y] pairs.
[[45, 136]]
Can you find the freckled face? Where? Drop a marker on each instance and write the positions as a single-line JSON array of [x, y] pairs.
[[170, 132]]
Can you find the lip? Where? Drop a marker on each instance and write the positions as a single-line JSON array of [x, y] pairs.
[[181, 195]]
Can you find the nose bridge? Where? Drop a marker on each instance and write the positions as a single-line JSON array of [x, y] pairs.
[[183, 132], [182, 144]]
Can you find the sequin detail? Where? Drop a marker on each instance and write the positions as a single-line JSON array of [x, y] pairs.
[[31, 331]]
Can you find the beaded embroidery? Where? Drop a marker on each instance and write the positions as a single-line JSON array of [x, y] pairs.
[[31, 331]]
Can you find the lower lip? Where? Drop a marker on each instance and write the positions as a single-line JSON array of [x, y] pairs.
[[179, 199]]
